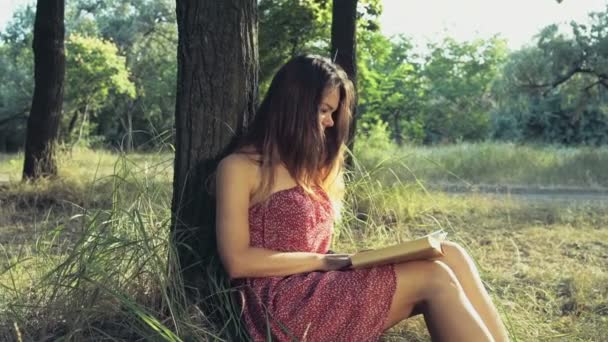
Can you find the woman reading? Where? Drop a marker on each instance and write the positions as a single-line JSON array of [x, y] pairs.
[[275, 194]]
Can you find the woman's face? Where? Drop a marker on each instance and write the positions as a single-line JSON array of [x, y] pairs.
[[329, 104]]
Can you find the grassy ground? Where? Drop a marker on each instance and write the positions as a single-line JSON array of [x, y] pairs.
[[84, 256]]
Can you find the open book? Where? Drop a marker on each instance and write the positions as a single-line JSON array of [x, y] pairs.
[[426, 247]]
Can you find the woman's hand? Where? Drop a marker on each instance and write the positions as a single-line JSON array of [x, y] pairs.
[[332, 262]]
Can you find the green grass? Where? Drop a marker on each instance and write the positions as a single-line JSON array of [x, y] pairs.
[[492, 163], [84, 257]]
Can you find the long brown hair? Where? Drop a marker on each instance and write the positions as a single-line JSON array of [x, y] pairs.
[[286, 128]]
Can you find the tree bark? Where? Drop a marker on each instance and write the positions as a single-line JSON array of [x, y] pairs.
[[343, 51], [49, 71], [216, 98]]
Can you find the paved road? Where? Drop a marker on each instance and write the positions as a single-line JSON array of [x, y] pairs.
[[530, 193]]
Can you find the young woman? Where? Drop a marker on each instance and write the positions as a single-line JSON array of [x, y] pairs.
[[275, 195]]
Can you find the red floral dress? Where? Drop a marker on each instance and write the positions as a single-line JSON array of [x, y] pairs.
[[346, 305]]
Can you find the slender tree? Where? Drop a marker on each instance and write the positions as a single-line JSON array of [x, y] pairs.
[[344, 47], [49, 71], [216, 98]]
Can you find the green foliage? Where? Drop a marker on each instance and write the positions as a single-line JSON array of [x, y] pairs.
[[390, 87], [554, 91], [16, 88], [144, 31], [16, 78], [94, 69], [156, 81], [288, 28], [368, 15], [125, 22], [459, 77], [377, 138], [557, 90], [127, 100], [291, 27], [440, 97]]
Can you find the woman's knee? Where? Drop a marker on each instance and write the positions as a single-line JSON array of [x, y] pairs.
[[455, 256], [452, 250], [431, 276], [442, 278]]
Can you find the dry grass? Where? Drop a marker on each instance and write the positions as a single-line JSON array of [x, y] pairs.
[[544, 263], [83, 256]]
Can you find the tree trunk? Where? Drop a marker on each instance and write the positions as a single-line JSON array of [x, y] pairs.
[[397, 128], [216, 98], [49, 70], [343, 50], [130, 127]]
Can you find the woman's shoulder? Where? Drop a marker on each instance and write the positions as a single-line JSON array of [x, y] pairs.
[[244, 161], [237, 170], [238, 162]]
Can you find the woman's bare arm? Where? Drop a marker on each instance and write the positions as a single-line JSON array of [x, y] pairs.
[[235, 181]]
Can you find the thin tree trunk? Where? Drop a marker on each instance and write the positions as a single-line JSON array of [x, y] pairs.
[[129, 129], [126, 123], [49, 71], [83, 122], [343, 49], [397, 128], [216, 98], [72, 124]]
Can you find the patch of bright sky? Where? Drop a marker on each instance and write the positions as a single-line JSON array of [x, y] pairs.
[[430, 20], [464, 20], [8, 7]]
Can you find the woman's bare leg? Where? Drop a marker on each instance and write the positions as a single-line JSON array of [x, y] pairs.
[[468, 276], [451, 315], [423, 309]]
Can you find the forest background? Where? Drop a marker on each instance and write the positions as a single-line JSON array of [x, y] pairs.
[[504, 148]]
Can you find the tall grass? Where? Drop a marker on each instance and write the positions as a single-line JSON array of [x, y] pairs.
[[97, 267]]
